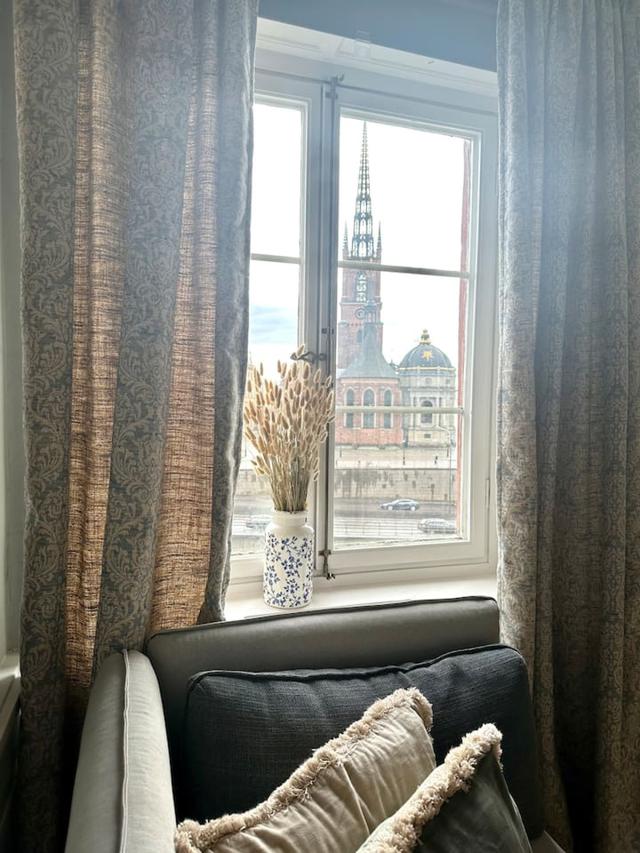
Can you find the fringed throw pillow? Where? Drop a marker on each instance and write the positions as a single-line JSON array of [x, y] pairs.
[[333, 801], [463, 805]]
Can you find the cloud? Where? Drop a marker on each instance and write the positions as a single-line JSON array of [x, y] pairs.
[[271, 324]]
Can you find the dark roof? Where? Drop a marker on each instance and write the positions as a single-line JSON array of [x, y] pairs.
[[425, 356], [370, 363]]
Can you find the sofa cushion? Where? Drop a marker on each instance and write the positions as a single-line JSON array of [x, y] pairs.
[[464, 804], [339, 795], [245, 733]]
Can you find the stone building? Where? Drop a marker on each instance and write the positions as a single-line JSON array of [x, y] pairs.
[[428, 380], [425, 376]]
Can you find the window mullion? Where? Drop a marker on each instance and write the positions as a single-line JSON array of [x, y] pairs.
[[278, 259], [327, 283]]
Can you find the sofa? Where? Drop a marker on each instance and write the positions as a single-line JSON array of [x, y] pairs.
[[138, 754]]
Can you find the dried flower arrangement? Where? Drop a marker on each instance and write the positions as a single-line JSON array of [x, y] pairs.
[[286, 422]]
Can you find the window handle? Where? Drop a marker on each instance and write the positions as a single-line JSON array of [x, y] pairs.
[[310, 356]]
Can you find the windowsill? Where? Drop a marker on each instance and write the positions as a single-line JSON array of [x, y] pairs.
[[245, 599]]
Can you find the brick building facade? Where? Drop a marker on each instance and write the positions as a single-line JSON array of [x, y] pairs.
[[424, 377]]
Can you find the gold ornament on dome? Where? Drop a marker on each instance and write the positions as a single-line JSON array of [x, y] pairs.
[[425, 339]]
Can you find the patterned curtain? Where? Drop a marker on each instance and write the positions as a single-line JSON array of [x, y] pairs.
[[569, 399], [135, 152]]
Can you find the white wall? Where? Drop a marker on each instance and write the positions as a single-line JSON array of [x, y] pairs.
[[461, 31]]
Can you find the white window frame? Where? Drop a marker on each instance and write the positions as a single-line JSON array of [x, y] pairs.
[[410, 90]]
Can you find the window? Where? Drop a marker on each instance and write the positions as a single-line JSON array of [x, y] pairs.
[[350, 399], [373, 242], [388, 419], [361, 288], [274, 283], [427, 419], [368, 418]]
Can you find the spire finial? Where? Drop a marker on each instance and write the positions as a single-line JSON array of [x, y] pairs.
[[425, 338], [362, 239], [364, 187]]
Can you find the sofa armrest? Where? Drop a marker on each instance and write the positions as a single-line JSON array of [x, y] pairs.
[[122, 797]]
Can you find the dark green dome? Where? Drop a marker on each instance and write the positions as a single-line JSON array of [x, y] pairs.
[[425, 356]]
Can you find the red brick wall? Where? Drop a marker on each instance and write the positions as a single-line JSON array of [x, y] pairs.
[[369, 437]]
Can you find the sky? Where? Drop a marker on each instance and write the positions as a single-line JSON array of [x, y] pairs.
[[416, 189]]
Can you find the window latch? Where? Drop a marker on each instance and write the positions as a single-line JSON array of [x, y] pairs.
[[310, 356], [326, 571]]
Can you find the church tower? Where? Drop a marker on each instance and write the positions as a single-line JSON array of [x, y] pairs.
[[360, 303]]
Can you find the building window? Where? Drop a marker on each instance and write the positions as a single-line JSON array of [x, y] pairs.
[[350, 399], [368, 418], [388, 417], [412, 178], [361, 287], [426, 418]]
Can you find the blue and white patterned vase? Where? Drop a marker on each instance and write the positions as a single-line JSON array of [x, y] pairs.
[[288, 561]]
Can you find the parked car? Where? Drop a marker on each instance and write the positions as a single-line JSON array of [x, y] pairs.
[[407, 504], [437, 525]]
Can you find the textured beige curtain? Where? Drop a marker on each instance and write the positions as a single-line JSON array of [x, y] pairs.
[[569, 400], [135, 149]]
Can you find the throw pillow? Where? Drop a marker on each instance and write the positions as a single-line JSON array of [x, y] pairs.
[[336, 798], [272, 721], [464, 804]]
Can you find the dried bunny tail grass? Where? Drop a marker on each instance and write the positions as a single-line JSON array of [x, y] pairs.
[[286, 423]]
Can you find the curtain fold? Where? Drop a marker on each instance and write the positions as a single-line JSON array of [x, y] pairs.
[[569, 399], [135, 135]]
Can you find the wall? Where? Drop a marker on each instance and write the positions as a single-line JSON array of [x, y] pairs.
[[455, 30], [377, 484], [11, 442]]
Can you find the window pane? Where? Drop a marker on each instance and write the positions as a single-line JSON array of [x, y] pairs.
[[273, 335], [390, 494], [397, 476], [277, 171], [405, 185]]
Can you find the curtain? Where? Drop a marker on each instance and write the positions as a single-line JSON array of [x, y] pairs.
[[134, 122], [569, 399]]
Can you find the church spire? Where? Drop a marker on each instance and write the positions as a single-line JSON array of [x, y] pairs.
[[362, 241], [379, 245]]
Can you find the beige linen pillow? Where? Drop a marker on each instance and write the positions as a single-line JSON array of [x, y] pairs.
[[333, 801], [463, 805]]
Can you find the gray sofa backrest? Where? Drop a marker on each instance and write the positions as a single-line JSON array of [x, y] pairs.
[[374, 635]]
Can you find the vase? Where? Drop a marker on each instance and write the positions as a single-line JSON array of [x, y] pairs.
[[288, 561]]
